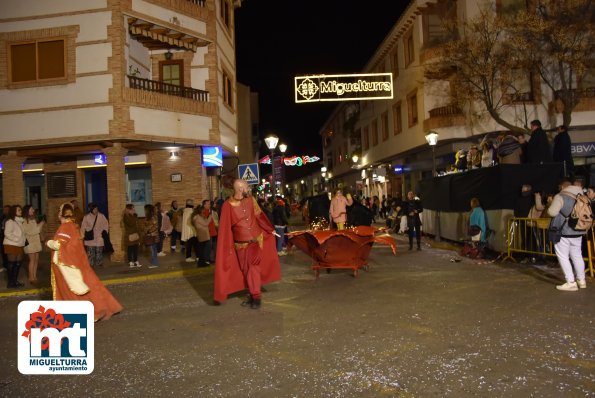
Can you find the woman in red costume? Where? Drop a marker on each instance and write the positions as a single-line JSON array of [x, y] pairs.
[[72, 276]]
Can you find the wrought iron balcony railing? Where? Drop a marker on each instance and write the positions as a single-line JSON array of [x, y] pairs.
[[168, 89]]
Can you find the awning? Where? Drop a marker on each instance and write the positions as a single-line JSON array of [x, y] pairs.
[[157, 37]]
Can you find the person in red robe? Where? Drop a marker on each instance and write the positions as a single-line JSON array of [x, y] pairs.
[[246, 253], [72, 276]]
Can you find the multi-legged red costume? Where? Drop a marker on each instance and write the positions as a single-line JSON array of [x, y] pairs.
[[246, 254]]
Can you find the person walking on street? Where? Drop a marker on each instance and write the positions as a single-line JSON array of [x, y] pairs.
[[338, 208], [14, 242], [32, 230], [131, 235], [412, 208], [569, 247], [280, 222], [246, 256], [201, 219]]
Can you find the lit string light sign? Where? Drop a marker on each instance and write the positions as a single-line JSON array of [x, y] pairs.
[[358, 87], [293, 160]]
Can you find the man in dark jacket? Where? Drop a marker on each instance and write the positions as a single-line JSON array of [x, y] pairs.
[[538, 148], [562, 151], [412, 208]]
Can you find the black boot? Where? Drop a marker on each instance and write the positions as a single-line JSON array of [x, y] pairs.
[[17, 268], [248, 302], [418, 245], [410, 243], [9, 272], [255, 304]]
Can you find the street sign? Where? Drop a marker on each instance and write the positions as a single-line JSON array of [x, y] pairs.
[[249, 172], [212, 156]]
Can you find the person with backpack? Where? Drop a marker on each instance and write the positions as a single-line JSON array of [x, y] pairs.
[[567, 206]]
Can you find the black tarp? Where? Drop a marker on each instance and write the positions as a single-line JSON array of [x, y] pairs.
[[496, 187]]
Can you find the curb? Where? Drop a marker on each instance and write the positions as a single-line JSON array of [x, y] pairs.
[[118, 281]]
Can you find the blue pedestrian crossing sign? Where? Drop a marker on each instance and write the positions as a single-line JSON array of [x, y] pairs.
[[249, 172]]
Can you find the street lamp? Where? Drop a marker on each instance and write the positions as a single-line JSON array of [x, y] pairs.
[[282, 149], [271, 143], [355, 158], [432, 139]]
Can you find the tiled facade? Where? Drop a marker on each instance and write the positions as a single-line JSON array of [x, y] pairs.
[[112, 99]]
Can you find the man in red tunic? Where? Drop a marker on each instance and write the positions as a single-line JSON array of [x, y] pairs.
[[246, 254]]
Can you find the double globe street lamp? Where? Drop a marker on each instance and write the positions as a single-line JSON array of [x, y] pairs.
[[432, 139], [271, 142]]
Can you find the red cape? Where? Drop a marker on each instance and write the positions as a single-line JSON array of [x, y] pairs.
[[228, 275]]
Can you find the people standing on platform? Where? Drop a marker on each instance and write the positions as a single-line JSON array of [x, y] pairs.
[[33, 247], [338, 208], [280, 223], [568, 249], [563, 150], [94, 221], [509, 149], [150, 233], [488, 153], [538, 147], [72, 277], [14, 242], [176, 221], [473, 158], [3, 219], [131, 235], [246, 256], [78, 212], [412, 208]]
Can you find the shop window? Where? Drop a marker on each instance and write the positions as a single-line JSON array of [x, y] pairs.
[[37, 61], [409, 48], [227, 90]]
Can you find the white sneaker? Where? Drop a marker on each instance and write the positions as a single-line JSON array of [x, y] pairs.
[[131, 265], [161, 254], [281, 253], [151, 266], [568, 287], [582, 284], [138, 265], [190, 260]]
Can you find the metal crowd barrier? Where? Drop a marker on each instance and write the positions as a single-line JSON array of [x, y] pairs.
[[529, 235]]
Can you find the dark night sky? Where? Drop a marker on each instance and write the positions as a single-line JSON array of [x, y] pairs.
[[279, 39]]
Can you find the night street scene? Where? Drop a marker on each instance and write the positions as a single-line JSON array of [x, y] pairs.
[[258, 198]]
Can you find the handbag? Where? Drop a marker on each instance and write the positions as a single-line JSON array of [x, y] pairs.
[[89, 235], [150, 240], [554, 234], [107, 243], [133, 237], [473, 230]]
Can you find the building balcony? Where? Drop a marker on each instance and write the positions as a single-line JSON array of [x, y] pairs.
[[586, 102], [168, 97], [444, 116]]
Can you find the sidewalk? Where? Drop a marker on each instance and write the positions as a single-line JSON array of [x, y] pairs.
[[171, 266]]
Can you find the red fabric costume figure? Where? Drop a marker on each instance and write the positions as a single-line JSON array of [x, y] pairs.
[[246, 253], [72, 276]]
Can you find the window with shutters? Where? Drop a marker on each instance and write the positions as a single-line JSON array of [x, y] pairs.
[[37, 61]]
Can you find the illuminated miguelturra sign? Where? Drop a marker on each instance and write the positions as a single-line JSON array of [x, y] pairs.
[[367, 86]]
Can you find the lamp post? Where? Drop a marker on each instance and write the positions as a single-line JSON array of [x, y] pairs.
[[432, 139], [271, 142], [282, 149]]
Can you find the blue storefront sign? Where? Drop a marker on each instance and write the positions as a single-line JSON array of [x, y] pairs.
[[583, 149], [212, 156]]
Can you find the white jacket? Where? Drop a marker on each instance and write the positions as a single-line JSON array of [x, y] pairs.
[[187, 228], [14, 234]]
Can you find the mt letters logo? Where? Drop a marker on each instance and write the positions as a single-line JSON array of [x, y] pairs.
[[56, 337]]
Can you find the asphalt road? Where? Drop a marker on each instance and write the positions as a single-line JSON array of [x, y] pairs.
[[414, 325]]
